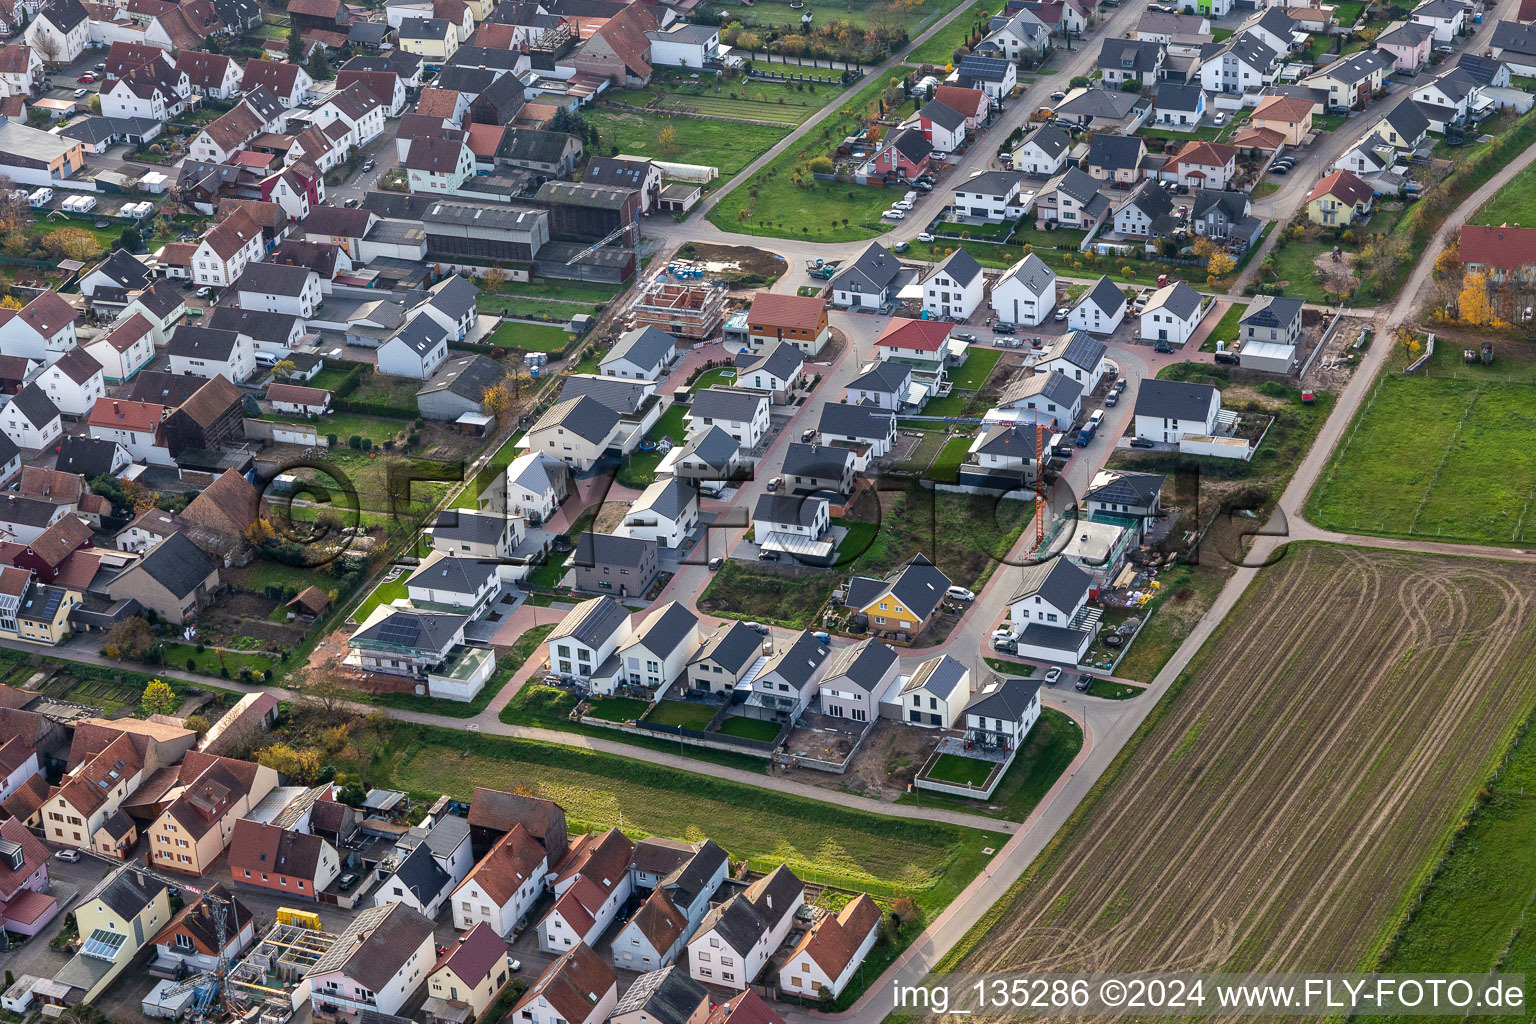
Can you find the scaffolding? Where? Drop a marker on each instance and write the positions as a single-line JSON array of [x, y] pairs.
[[275, 967], [691, 312]]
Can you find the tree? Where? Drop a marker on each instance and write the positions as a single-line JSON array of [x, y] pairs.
[[1448, 262], [94, 103], [300, 766], [259, 532], [1220, 264], [493, 279], [570, 122], [131, 638], [1472, 302], [666, 142], [284, 368], [131, 239], [295, 46], [325, 698], [10, 302], [1403, 336], [319, 67], [1203, 248], [197, 723], [71, 244], [159, 698], [497, 400]]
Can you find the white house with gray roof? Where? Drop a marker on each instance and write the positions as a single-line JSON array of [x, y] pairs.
[[577, 431], [666, 512], [859, 425], [787, 681], [725, 658], [935, 695], [740, 413], [1026, 293], [1048, 610], [1050, 397], [1241, 63], [645, 353], [1043, 153], [885, 384], [532, 488], [955, 287], [1002, 712], [992, 196], [712, 456], [658, 650], [866, 280], [1121, 494], [733, 943], [809, 468], [798, 525], [467, 534], [857, 678], [1172, 314], [586, 638], [410, 642], [416, 351], [1270, 332], [775, 369], [451, 582], [1100, 311], [1005, 447], [1169, 410], [1079, 356], [1131, 60], [1072, 198]]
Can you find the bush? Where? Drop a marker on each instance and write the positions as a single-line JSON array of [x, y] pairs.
[[355, 442], [1130, 85], [191, 664]]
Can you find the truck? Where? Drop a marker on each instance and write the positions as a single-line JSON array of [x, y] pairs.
[[1085, 435], [822, 270]]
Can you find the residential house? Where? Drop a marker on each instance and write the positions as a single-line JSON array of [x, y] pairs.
[[291, 84], [740, 413], [1072, 200], [901, 605], [645, 353], [1026, 293], [125, 349], [1339, 200], [1131, 60], [1502, 253], [278, 288], [1181, 33], [116, 920], [1003, 711], [666, 512], [658, 649], [212, 75], [1179, 106], [176, 580], [575, 431], [459, 389], [723, 659], [59, 32], [42, 330], [866, 281], [418, 881], [1015, 37], [624, 566], [591, 886], [1122, 495], [735, 940], [865, 427], [25, 906], [134, 426], [206, 352], [1049, 397], [1352, 80], [1078, 356], [712, 456], [110, 283], [1169, 410], [1047, 605], [992, 196], [503, 885], [992, 75], [1043, 153], [402, 641], [1100, 310], [209, 796], [644, 176], [812, 468], [1451, 99], [831, 950], [469, 976], [776, 369], [578, 988], [796, 319], [885, 384], [970, 102], [1008, 448], [297, 400], [535, 486], [30, 419], [1241, 63], [797, 526], [1404, 127], [903, 153], [1446, 18], [1172, 314], [460, 583], [955, 288], [439, 165], [1222, 214], [787, 681], [1146, 213], [935, 695], [943, 127], [664, 996], [416, 351], [1116, 159], [378, 962], [1409, 45], [224, 252], [1514, 44], [1271, 318], [1291, 116], [1208, 165]]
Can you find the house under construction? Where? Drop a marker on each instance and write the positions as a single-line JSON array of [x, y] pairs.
[[690, 312], [271, 976]]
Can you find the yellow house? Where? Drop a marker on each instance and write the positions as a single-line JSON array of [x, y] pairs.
[[210, 795], [1291, 116], [480, 9], [901, 605], [43, 617], [433, 39], [118, 918], [469, 977], [1339, 200]]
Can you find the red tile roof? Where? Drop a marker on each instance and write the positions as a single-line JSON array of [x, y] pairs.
[[1343, 186], [801, 312], [1502, 248], [143, 417], [923, 335]]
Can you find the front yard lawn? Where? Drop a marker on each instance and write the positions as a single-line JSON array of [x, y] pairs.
[[616, 709], [749, 728], [973, 373], [1049, 750], [530, 337], [948, 462], [962, 771], [1226, 327], [684, 714]]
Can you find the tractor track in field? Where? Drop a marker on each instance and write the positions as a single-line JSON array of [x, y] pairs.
[[1310, 756]]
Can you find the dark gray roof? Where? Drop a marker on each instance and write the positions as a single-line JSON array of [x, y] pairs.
[[940, 676], [274, 279], [780, 359], [862, 422], [203, 343], [1100, 103], [1077, 183], [127, 892], [457, 575], [1008, 439], [582, 416], [665, 629], [470, 527], [669, 497], [690, 878], [986, 69], [1512, 35], [872, 270], [421, 335], [1056, 580], [606, 549], [1409, 33], [1272, 311], [667, 996], [9, 451], [625, 172], [1178, 298], [533, 145], [1105, 295], [1440, 9], [34, 403], [1357, 67], [425, 28], [714, 447], [911, 143], [592, 622], [454, 296], [864, 663], [1273, 20], [991, 183], [1008, 699], [961, 266], [733, 645], [1079, 348], [411, 628], [737, 922], [817, 460], [1172, 96], [26, 510], [1115, 152], [787, 509], [886, 376], [1138, 55], [1233, 204], [1126, 488], [919, 585], [620, 394], [88, 456], [178, 565], [942, 115], [797, 663], [539, 473], [468, 377], [422, 875], [1249, 48], [731, 404], [122, 266], [1051, 140], [1174, 399], [1033, 273], [275, 328], [1483, 69], [646, 347]]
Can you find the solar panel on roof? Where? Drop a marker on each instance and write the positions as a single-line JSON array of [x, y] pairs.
[[103, 945]]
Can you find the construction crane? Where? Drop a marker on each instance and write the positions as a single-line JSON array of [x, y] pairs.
[[1039, 485], [212, 983], [589, 250]]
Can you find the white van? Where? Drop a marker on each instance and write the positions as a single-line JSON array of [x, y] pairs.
[[42, 197]]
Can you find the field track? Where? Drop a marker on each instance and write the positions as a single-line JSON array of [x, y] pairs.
[[1280, 812]]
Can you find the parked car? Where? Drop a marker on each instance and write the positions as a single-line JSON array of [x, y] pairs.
[[81, 94], [1005, 646], [759, 627], [893, 215], [68, 856], [925, 237], [1140, 442], [1062, 312], [1058, 96], [1282, 171], [346, 881], [101, 67], [1083, 682], [1112, 399], [86, 78], [715, 563], [825, 638], [1003, 633], [922, 186], [1120, 384], [1163, 347], [369, 165], [965, 336], [514, 965], [1001, 328], [901, 247], [1220, 119], [1052, 674], [961, 594], [767, 556], [203, 292]]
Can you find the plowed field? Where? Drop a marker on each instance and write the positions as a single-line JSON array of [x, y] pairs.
[[1283, 805]]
